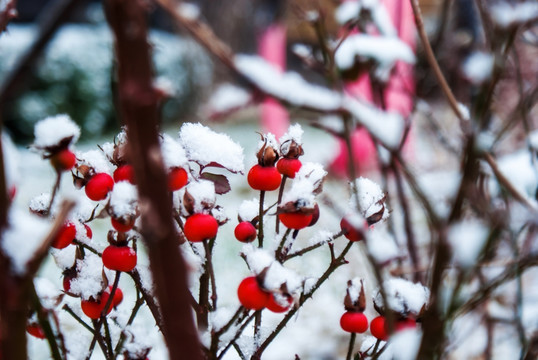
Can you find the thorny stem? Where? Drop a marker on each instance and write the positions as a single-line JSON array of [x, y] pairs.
[[208, 247], [280, 194], [351, 346], [310, 248], [260, 219], [108, 339], [148, 298], [139, 302], [411, 242], [237, 334], [54, 191], [78, 319], [334, 264], [430, 56], [44, 323], [88, 247], [97, 324], [278, 253]]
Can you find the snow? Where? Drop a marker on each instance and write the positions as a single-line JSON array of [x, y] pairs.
[[228, 97], [203, 192], [94, 159], [53, 129], [257, 259], [403, 296], [370, 197], [518, 168], [205, 147], [381, 245], [294, 134], [347, 11], [508, 14], [385, 50], [47, 292], [64, 258], [249, 209], [405, 344], [320, 237], [40, 203], [467, 239], [89, 280], [478, 67], [123, 199], [174, 154], [312, 172], [22, 238], [354, 289], [189, 10], [288, 86], [387, 127]]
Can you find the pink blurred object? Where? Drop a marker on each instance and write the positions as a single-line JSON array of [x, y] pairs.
[[272, 47], [398, 95]]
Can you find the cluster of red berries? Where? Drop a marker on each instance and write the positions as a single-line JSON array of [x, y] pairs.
[[252, 296], [356, 322]]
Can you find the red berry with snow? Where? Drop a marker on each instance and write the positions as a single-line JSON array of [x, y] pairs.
[[177, 178], [350, 232], [264, 178], [404, 324], [279, 303], [119, 258], [118, 296], [124, 173], [94, 308], [251, 295], [354, 322], [89, 232], [63, 160], [35, 330], [245, 232], [288, 167], [377, 328], [99, 186], [200, 227], [295, 220], [65, 236], [122, 225]]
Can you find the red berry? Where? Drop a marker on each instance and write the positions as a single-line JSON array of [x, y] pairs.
[[35, 330], [118, 296], [119, 258], [94, 308], [124, 173], [89, 232], [354, 322], [350, 232], [266, 178], [65, 236], [200, 227], [12, 192], [245, 232], [295, 220], [250, 295], [377, 328], [122, 225], [403, 324], [177, 178], [99, 186], [274, 305], [315, 215], [63, 160], [288, 167]]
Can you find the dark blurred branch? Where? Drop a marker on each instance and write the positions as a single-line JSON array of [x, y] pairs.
[[139, 108], [53, 16], [7, 14]]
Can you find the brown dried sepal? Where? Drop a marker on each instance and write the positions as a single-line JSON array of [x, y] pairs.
[[49, 151], [267, 155], [294, 150], [296, 207], [117, 238], [82, 175], [372, 219], [358, 305]]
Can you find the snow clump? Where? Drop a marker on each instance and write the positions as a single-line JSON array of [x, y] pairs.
[[53, 130]]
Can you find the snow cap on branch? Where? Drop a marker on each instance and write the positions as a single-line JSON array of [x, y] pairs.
[[208, 148], [249, 209], [404, 297], [94, 159], [370, 199], [294, 134], [123, 199], [173, 153], [199, 196], [55, 130]]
